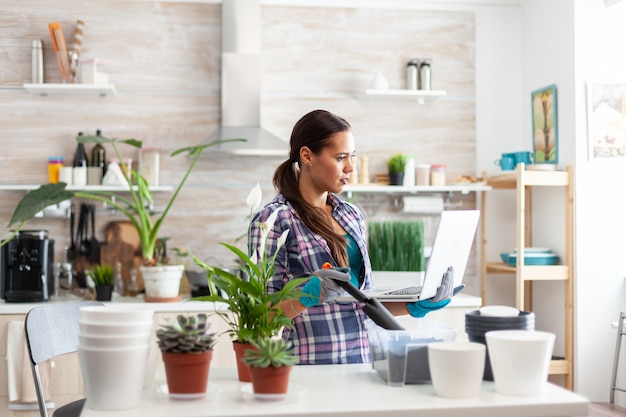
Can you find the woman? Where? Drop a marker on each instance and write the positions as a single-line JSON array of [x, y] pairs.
[[323, 230]]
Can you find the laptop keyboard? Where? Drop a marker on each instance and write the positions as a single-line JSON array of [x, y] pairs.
[[413, 290]]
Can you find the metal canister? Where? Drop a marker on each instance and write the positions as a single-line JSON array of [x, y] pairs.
[[37, 61], [425, 75], [412, 74]]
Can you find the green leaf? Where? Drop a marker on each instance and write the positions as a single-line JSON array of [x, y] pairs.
[[36, 200]]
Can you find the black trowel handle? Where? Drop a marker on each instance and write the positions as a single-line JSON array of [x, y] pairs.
[[381, 316], [371, 306]]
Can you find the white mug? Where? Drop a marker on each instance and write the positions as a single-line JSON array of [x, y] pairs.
[[66, 175]]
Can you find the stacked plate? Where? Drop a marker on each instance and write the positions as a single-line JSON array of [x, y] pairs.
[[113, 347], [532, 256], [477, 324]]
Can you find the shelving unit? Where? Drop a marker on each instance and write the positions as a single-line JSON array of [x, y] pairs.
[[93, 90], [523, 181], [401, 189], [420, 96], [29, 187]]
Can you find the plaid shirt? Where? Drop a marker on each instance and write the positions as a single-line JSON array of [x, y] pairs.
[[327, 333]]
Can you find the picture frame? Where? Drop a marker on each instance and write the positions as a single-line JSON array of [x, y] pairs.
[[545, 125], [606, 119]]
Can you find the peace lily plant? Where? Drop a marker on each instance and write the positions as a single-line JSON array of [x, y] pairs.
[[254, 313]]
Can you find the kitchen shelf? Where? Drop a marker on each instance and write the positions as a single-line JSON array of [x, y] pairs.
[[111, 188], [523, 181], [420, 96], [78, 89], [416, 189]]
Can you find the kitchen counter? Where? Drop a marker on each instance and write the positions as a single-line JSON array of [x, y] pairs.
[[349, 390], [460, 300]]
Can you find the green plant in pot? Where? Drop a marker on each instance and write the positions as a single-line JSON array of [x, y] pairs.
[[186, 346], [137, 209], [253, 312], [270, 364], [102, 277], [395, 167]]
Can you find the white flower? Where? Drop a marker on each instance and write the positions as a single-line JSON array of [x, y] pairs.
[[254, 198]]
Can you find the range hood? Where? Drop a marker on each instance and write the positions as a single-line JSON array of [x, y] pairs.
[[241, 83]]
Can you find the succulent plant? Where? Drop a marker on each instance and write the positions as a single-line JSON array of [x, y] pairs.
[[186, 334], [267, 351]]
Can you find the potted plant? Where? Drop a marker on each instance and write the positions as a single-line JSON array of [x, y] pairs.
[[136, 209], [395, 167], [102, 277], [270, 364], [254, 313], [186, 346]]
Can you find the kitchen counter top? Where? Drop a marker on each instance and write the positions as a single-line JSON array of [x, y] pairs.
[[460, 300], [349, 390]]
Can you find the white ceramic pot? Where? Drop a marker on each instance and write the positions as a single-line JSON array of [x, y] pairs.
[[162, 282], [520, 360]]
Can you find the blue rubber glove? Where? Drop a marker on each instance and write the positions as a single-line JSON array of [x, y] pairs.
[[441, 299], [322, 290], [422, 307], [312, 290]]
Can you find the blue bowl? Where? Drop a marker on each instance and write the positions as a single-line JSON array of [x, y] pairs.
[[505, 257]]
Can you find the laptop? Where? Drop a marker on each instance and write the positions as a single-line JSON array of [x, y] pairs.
[[451, 248]]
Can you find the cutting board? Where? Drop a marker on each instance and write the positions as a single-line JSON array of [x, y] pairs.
[[122, 245]]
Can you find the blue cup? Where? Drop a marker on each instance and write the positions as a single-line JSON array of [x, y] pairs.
[[506, 162], [524, 157]]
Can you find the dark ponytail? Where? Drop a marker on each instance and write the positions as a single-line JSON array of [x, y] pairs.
[[313, 130]]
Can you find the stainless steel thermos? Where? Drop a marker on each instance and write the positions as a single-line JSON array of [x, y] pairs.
[[412, 74], [425, 75], [37, 61]]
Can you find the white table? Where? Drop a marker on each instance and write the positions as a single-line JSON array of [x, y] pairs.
[[352, 390]]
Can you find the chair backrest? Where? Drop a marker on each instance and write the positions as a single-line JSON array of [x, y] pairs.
[[51, 331]]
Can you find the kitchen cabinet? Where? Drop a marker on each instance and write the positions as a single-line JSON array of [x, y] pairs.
[[523, 181], [88, 90]]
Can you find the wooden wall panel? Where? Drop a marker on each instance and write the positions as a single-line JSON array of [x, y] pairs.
[[164, 59]]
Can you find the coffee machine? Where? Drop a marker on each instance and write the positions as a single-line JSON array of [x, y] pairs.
[[26, 271]]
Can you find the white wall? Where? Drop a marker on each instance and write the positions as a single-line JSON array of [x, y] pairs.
[[600, 196]]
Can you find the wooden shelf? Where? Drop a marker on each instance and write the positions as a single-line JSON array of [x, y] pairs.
[[522, 180], [416, 189], [29, 187], [91, 90]]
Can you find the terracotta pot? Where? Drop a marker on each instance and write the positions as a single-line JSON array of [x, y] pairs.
[[270, 380], [187, 373], [242, 368], [104, 292]]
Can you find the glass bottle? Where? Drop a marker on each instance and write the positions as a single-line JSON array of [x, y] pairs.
[[98, 156], [118, 285], [80, 164], [133, 289]]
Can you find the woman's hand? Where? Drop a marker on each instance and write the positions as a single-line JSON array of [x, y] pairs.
[[321, 290], [441, 299]]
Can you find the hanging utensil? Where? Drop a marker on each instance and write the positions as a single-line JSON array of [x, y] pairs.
[[85, 244], [94, 250], [71, 251]]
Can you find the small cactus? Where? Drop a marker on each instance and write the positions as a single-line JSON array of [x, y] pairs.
[[274, 352], [186, 334]]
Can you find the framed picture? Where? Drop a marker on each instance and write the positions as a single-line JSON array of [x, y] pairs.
[[606, 119], [545, 126]]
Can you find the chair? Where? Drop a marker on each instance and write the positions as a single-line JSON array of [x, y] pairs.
[[620, 334], [51, 331]]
